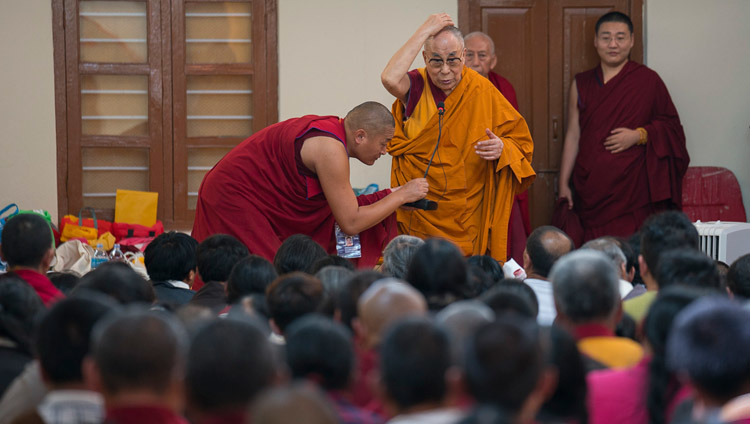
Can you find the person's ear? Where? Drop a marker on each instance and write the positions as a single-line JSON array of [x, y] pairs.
[[91, 377], [190, 279], [643, 267], [47, 259], [493, 62], [424, 56], [360, 136], [274, 327]]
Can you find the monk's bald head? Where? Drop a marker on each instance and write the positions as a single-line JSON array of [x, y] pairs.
[[545, 246], [479, 35], [385, 302], [372, 117], [445, 34]]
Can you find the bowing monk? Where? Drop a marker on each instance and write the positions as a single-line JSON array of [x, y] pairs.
[[293, 178], [624, 150], [481, 57], [484, 156]]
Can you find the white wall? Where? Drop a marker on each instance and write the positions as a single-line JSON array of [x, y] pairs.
[[701, 49], [331, 53], [28, 164]]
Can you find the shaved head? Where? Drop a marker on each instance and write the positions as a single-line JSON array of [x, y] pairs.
[[455, 32], [370, 116], [385, 302], [483, 36]]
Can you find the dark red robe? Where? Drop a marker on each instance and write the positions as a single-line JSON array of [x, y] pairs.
[[615, 193], [257, 194], [519, 226]]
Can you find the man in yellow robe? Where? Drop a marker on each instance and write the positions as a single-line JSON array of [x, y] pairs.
[[484, 156]]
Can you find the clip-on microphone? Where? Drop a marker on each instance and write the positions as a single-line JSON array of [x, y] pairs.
[[424, 204]]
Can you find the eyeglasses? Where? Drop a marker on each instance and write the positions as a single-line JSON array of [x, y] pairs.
[[453, 63], [620, 39]]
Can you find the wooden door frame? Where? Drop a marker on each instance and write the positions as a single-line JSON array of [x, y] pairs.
[[68, 137]]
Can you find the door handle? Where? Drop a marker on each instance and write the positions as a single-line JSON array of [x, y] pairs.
[[554, 129]]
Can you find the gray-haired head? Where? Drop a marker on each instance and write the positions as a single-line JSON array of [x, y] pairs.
[[398, 254], [483, 36], [611, 248], [585, 286], [461, 319], [450, 30]]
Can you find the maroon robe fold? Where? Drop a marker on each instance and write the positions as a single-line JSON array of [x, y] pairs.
[[257, 194], [614, 193]]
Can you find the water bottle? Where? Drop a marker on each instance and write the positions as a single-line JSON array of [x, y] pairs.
[[117, 255], [100, 256]]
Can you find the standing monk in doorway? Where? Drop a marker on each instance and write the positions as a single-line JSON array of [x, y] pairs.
[[624, 149]]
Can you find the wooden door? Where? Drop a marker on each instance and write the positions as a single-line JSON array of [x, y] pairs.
[[541, 45]]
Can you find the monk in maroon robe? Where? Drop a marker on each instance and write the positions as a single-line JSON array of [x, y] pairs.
[[293, 178], [624, 148], [480, 56]]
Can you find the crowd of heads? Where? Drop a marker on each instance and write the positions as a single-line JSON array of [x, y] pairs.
[[428, 329]]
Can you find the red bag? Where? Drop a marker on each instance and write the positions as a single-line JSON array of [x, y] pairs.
[[101, 225], [122, 231]]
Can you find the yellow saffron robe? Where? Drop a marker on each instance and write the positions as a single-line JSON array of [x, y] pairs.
[[474, 195]]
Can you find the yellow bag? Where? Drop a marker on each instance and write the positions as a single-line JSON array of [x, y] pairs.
[[76, 231], [136, 207], [107, 240]]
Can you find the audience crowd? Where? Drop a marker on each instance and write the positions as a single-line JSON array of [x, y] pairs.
[[641, 330]]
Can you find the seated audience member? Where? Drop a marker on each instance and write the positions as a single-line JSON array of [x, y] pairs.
[[216, 256], [321, 350], [688, 267], [384, 303], [62, 342], [64, 281], [350, 293], [292, 296], [723, 269], [171, 266], [298, 253], [544, 247], [488, 264], [119, 281], [478, 281], [512, 296], [398, 253], [250, 277], [138, 364], [438, 269], [648, 392], [505, 372], [708, 345], [588, 305], [461, 319], [611, 249], [28, 248], [297, 403], [567, 403], [659, 233], [415, 357], [633, 243], [332, 260], [228, 364], [334, 279], [19, 307], [738, 277]]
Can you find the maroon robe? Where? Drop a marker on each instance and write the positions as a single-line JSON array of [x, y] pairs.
[[257, 194], [615, 193], [519, 225]]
